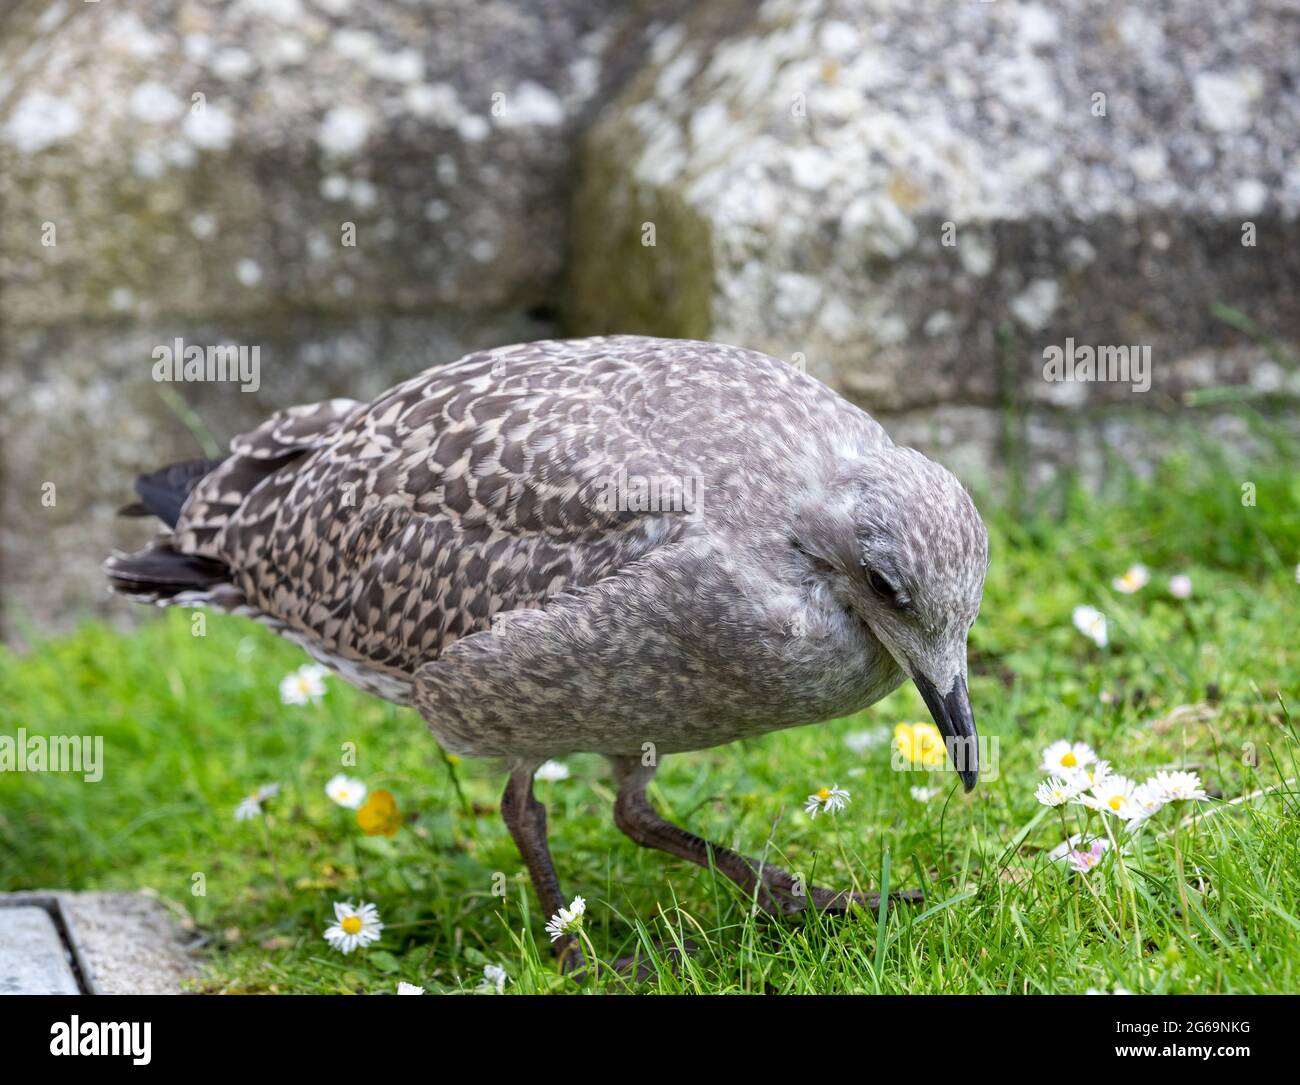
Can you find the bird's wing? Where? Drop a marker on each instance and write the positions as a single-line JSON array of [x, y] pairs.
[[286, 436], [703, 641], [608, 667], [296, 429], [469, 490]]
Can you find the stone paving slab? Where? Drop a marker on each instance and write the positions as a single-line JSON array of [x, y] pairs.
[[114, 943], [33, 959]]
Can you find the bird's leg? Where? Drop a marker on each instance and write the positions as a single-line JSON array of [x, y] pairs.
[[525, 817], [774, 889]]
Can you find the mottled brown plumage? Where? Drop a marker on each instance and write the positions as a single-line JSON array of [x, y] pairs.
[[478, 542]]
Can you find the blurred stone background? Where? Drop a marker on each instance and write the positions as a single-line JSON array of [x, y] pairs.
[[912, 200]]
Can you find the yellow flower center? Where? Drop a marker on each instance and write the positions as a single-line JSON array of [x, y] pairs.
[[824, 794], [1069, 760], [352, 924], [1116, 801]]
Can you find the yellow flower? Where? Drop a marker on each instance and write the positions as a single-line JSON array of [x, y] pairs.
[[920, 745], [380, 816]]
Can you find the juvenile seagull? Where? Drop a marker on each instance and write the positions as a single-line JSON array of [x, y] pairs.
[[622, 545]]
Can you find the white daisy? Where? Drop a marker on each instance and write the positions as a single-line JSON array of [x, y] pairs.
[[251, 807], [567, 920], [1146, 803], [1076, 841], [346, 791], [1112, 794], [1063, 757], [1091, 622], [1084, 860], [1088, 776], [409, 989], [494, 977], [1180, 586], [1136, 578], [248, 809], [924, 794], [1178, 786], [1055, 791], [306, 685], [353, 927], [551, 771], [830, 800]]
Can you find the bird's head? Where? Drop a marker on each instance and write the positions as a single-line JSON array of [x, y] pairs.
[[906, 552]]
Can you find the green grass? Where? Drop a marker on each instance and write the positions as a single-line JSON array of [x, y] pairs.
[[191, 724]]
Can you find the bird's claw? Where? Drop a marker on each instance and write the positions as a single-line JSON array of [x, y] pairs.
[[639, 968], [782, 900]]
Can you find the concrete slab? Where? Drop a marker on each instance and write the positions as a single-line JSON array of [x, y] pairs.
[[113, 943], [33, 958]]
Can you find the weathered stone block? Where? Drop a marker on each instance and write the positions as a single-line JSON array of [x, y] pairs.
[[916, 201], [32, 958]]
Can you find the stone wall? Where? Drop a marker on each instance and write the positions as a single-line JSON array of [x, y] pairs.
[[913, 200], [183, 168]]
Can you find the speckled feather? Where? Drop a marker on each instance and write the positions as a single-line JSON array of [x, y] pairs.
[[447, 545]]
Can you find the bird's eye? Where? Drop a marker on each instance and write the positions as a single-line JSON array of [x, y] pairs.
[[880, 585], [891, 593]]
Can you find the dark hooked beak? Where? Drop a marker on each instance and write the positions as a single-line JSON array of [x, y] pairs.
[[952, 715]]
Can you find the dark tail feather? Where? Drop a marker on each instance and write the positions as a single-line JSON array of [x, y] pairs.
[[163, 492], [158, 573]]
